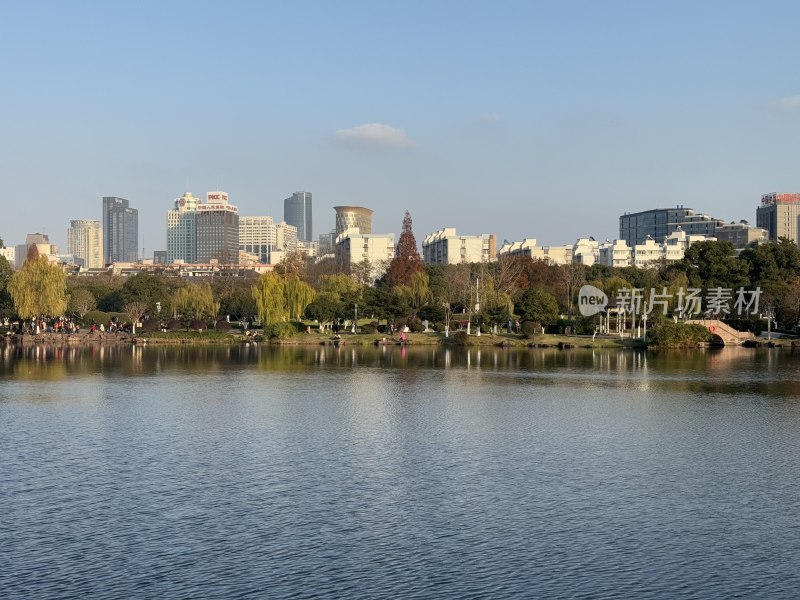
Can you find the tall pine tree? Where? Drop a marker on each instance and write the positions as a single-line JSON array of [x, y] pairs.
[[406, 259]]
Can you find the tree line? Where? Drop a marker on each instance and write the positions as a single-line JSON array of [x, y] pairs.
[[514, 289]]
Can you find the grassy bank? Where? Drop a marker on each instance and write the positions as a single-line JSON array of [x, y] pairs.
[[190, 337], [457, 339]]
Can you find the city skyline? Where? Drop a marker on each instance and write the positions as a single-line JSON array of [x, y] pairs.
[[517, 119]]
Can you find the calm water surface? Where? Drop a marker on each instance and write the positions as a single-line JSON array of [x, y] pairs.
[[391, 473]]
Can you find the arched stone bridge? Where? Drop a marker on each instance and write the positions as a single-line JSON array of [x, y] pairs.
[[723, 334]]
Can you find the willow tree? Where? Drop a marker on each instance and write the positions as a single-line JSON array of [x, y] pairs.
[[298, 296], [269, 292], [196, 301], [39, 289], [417, 293]]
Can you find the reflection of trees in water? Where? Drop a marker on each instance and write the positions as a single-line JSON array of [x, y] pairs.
[[702, 372]]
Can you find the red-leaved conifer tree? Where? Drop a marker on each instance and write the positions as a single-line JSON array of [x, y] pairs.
[[406, 259]]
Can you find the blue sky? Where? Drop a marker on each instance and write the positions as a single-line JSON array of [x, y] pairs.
[[523, 119]]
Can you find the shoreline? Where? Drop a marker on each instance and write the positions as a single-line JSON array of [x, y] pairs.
[[514, 341]]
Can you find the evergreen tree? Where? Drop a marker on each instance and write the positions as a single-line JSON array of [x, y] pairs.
[[6, 272], [406, 261]]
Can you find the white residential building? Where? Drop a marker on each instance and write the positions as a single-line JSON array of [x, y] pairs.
[[615, 254], [9, 254], [586, 251], [354, 247], [648, 253], [677, 242], [446, 247], [555, 255]]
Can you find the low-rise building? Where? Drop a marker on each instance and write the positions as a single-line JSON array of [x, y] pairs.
[[615, 254], [555, 255], [446, 247], [9, 254], [586, 251], [356, 248], [741, 234], [648, 253]]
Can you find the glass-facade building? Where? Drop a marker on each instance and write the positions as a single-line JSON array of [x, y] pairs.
[[297, 212], [120, 231], [182, 231], [658, 223]]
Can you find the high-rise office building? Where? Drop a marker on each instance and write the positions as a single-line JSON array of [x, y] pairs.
[[182, 230], [779, 214], [217, 230], [297, 212], [267, 240], [348, 217], [257, 236], [120, 231], [658, 223], [85, 242]]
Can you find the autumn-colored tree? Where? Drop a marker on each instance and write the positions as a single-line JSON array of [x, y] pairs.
[[294, 264], [33, 253], [406, 259]]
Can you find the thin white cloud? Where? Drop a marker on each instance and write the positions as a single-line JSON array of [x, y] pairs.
[[488, 119], [375, 135], [788, 104]]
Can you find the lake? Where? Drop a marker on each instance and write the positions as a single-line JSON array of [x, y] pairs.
[[395, 472]]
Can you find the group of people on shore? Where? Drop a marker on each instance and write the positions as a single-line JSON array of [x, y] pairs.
[[61, 325]]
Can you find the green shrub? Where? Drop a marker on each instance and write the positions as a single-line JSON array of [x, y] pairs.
[[198, 325], [174, 324], [668, 334], [192, 336], [416, 326], [280, 331], [96, 316], [460, 338], [369, 328], [222, 325], [150, 325], [530, 328]]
